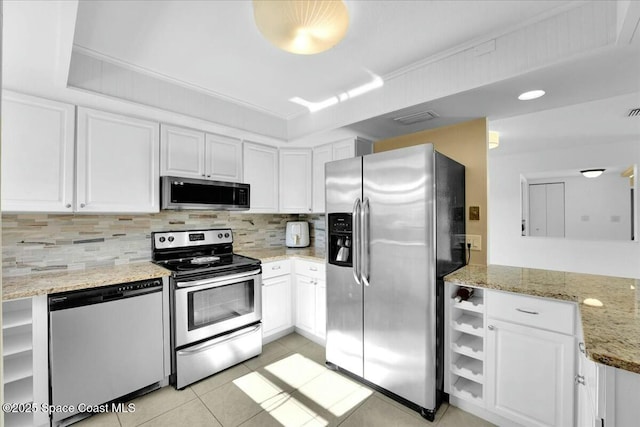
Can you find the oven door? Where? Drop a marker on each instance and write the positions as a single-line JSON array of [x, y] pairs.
[[208, 307]]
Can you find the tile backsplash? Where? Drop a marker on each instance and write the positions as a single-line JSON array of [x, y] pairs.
[[34, 243]]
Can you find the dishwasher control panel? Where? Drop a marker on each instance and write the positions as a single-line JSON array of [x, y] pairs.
[[72, 299]]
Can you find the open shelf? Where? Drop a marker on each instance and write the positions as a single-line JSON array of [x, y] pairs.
[[469, 345], [467, 389], [16, 343], [475, 304], [20, 391], [17, 367], [469, 368], [15, 318], [469, 323]]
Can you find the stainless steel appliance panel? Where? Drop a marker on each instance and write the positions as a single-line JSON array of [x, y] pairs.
[[213, 306], [398, 269], [209, 357], [103, 351], [344, 344]]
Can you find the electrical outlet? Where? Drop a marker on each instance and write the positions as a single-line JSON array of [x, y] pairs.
[[475, 241]]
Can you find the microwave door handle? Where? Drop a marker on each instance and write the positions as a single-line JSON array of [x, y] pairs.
[[365, 241], [355, 226]]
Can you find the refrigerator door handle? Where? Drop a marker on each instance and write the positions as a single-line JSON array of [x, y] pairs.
[[364, 266], [355, 219]]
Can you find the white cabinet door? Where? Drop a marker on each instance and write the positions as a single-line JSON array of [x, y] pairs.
[[306, 304], [117, 163], [321, 308], [295, 180], [344, 149], [530, 374], [276, 304], [182, 152], [223, 158], [261, 173], [37, 154], [321, 155]]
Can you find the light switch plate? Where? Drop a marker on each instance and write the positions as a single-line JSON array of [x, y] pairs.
[[474, 213]]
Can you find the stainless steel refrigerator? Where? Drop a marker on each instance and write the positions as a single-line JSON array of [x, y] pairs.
[[395, 227]]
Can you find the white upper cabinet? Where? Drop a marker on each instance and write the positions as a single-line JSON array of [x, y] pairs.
[[261, 173], [37, 154], [182, 152], [190, 153], [339, 150], [295, 180], [117, 163], [321, 155], [223, 158]]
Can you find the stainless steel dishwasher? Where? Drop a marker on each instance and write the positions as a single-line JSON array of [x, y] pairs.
[[104, 343]]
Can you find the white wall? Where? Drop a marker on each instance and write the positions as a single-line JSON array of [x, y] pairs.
[[508, 247]]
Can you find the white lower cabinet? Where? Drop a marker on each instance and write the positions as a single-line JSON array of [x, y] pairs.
[[311, 299], [277, 319], [24, 353], [530, 374], [530, 359]]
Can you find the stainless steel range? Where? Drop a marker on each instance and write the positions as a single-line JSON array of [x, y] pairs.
[[216, 302]]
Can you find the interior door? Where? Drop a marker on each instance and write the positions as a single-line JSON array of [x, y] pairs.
[[399, 301]]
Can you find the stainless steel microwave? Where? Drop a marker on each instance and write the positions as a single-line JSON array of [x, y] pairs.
[[187, 193]]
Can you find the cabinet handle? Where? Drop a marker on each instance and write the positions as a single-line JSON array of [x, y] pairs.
[[68, 205], [82, 205], [208, 176], [579, 379], [313, 268], [275, 267], [581, 347], [491, 327], [526, 311]]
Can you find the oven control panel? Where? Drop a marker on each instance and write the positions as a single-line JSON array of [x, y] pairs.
[[189, 238]]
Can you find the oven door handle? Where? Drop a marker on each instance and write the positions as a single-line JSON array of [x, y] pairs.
[[216, 280], [207, 345]]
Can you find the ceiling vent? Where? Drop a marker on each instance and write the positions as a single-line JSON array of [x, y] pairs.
[[634, 113], [420, 116]]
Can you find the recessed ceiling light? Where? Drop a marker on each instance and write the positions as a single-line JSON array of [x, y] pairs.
[[532, 94]]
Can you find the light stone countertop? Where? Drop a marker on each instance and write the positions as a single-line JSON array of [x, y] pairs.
[[278, 254], [611, 332], [71, 280]]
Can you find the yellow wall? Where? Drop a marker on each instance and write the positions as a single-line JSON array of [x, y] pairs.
[[466, 143]]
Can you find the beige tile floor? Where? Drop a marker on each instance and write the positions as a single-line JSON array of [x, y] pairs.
[[287, 385]]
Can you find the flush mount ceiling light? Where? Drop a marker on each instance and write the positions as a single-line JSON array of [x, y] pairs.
[[302, 26], [592, 173], [532, 94], [494, 139]]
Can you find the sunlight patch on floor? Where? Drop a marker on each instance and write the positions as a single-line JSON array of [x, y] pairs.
[[328, 390]]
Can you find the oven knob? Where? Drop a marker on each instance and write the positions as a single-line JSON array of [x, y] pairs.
[[219, 235], [162, 239], [226, 234], [171, 239]]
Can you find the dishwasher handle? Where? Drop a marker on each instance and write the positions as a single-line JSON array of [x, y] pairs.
[[83, 297]]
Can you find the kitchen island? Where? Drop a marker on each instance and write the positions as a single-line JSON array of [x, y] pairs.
[[611, 330]]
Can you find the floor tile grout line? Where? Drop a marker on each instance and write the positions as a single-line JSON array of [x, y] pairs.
[[209, 409], [165, 412]]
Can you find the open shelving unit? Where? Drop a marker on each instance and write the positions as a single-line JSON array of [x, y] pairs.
[[24, 335], [467, 346]]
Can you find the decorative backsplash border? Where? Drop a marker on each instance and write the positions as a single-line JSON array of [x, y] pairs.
[[35, 243]]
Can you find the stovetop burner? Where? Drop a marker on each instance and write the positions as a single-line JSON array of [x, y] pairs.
[[197, 252]]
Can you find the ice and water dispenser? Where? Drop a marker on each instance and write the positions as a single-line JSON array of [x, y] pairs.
[[340, 239]]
